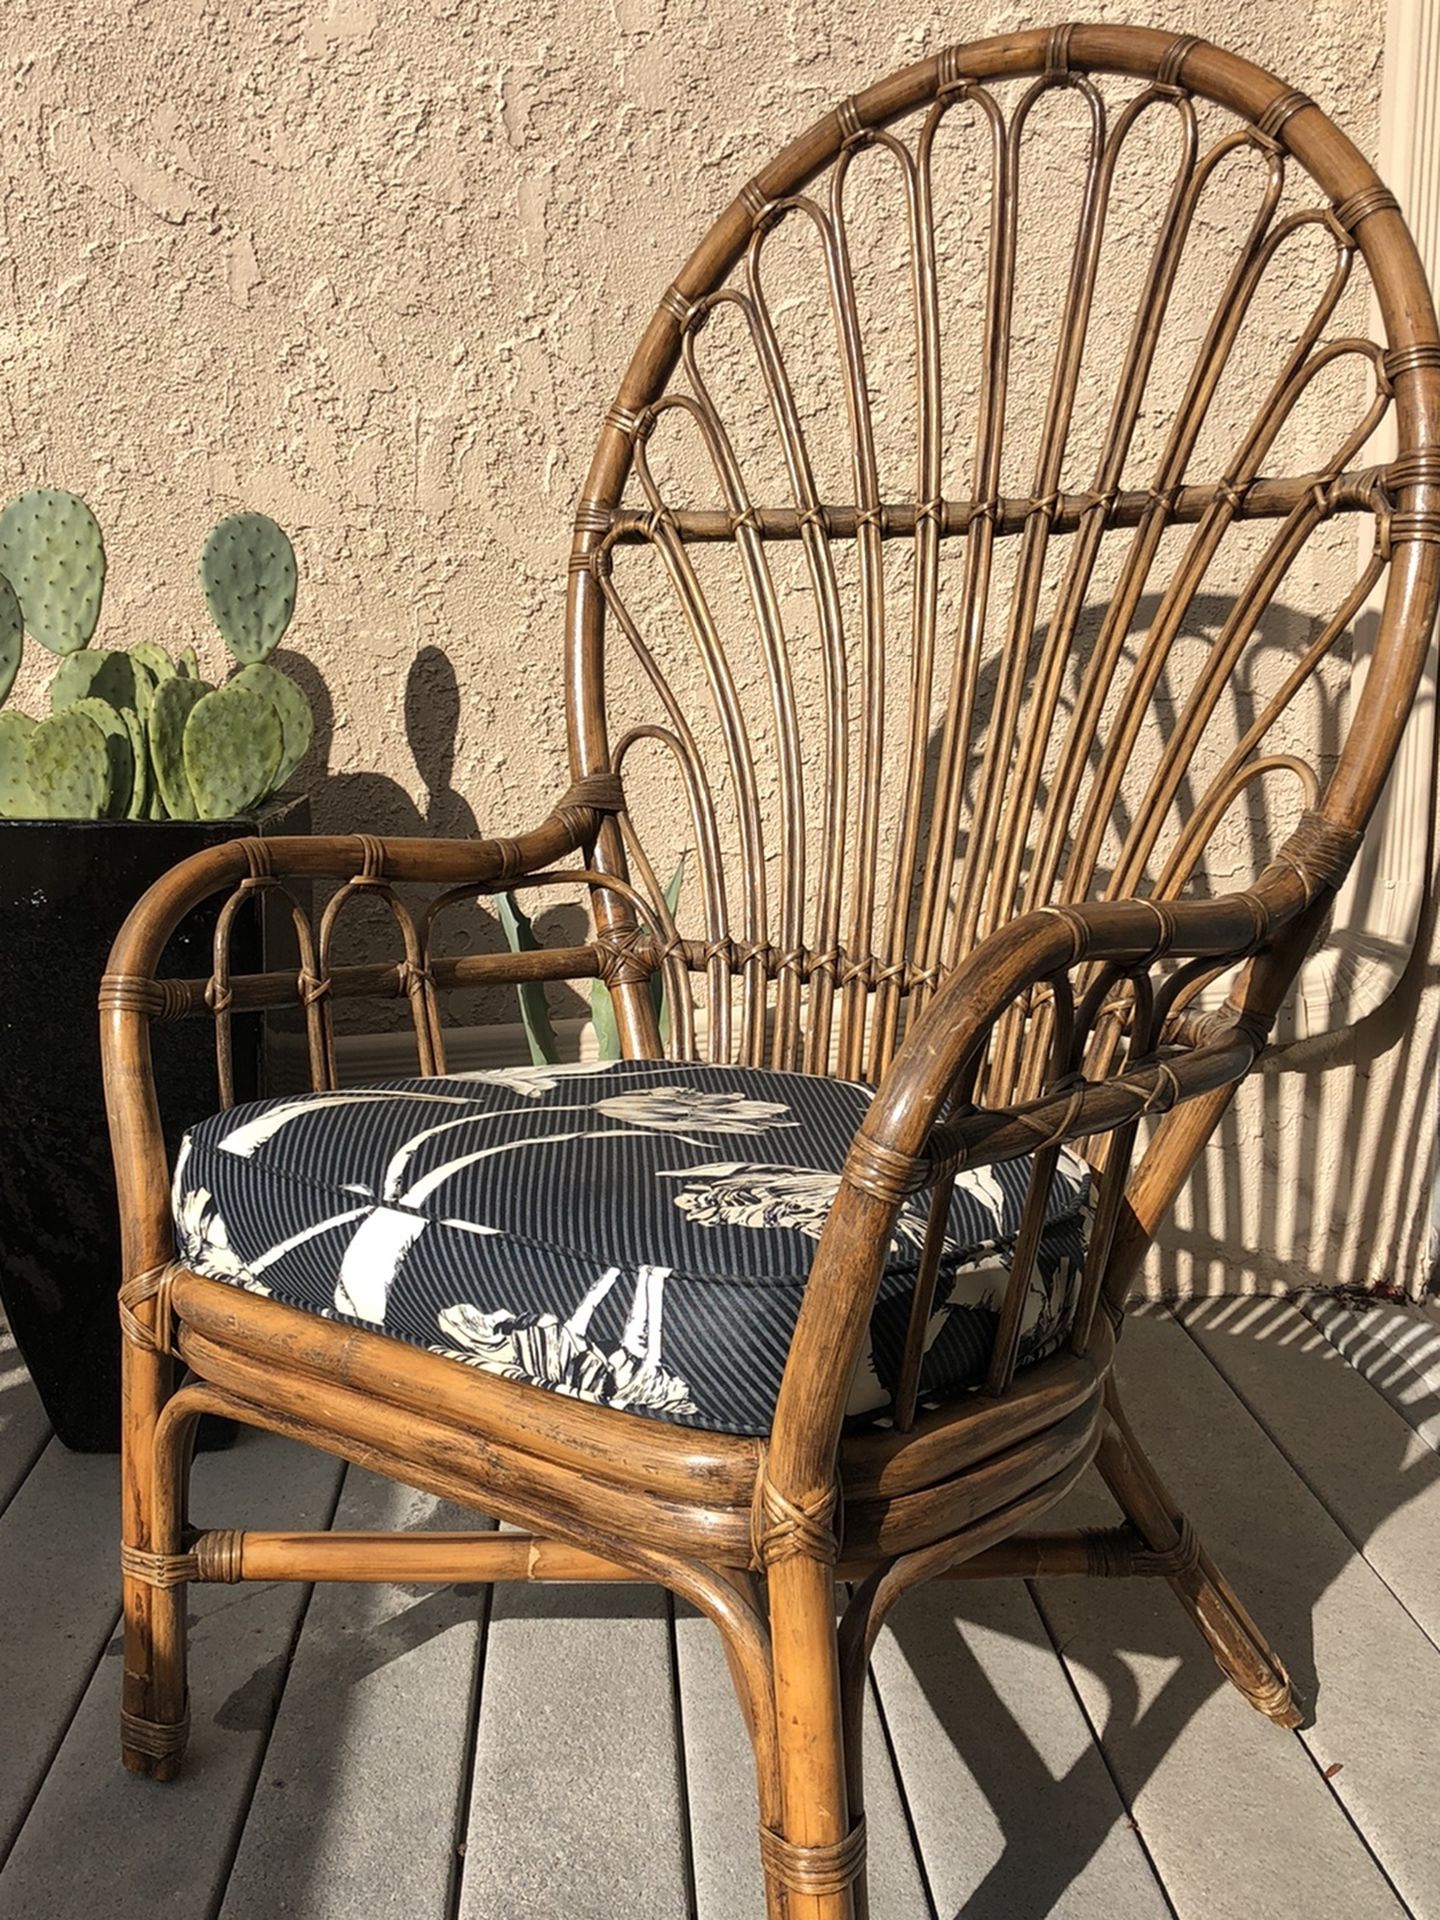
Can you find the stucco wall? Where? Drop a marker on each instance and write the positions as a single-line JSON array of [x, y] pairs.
[[375, 270]]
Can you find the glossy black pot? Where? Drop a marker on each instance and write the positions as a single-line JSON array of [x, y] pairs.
[[65, 887]]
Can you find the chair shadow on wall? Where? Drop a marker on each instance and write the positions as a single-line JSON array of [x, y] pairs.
[[1051, 1820]]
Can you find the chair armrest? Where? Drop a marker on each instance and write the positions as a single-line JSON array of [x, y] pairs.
[[905, 1144], [133, 994], [1132, 935], [908, 1142], [479, 862]]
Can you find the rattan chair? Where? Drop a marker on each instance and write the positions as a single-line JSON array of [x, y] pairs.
[[946, 896]]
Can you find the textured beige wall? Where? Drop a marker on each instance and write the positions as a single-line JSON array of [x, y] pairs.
[[375, 270]]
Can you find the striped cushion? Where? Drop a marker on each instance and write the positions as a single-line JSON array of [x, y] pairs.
[[635, 1233]]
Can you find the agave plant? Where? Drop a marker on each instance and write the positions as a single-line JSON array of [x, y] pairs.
[[133, 734], [534, 1009]]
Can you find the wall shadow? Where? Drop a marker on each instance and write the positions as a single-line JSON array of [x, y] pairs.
[[1374, 1224]]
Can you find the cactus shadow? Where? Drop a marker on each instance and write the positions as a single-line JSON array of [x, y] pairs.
[[343, 802], [432, 729], [367, 802]]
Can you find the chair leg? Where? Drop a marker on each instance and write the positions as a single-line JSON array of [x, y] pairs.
[[754, 1690], [155, 1461], [858, 1627], [1241, 1651], [814, 1863]]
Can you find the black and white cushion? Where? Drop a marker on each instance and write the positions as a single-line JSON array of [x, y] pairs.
[[635, 1233]]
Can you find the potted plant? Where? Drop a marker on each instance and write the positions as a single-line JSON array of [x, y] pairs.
[[138, 763]]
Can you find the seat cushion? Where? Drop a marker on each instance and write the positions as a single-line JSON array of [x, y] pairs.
[[635, 1233]]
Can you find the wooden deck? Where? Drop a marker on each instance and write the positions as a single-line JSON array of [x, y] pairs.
[[561, 1753]]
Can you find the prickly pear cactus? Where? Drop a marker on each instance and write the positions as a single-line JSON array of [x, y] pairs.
[[145, 685], [141, 784], [233, 744], [68, 767], [159, 663], [170, 709], [127, 748], [53, 556], [297, 723], [16, 800], [247, 569], [118, 752], [12, 638], [94, 674]]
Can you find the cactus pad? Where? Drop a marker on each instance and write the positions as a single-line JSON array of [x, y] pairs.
[[141, 784], [169, 710], [159, 663], [52, 554], [93, 674], [121, 755], [247, 569], [145, 684], [233, 745], [16, 800], [67, 764], [12, 637], [186, 662], [297, 723]]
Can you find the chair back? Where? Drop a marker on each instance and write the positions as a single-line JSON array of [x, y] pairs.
[[986, 520]]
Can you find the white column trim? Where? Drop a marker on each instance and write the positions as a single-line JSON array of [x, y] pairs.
[[1377, 914]]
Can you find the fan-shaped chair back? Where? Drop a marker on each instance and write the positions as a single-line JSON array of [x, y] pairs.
[[983, 523]]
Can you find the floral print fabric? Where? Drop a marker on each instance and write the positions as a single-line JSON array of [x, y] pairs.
[[636, 1233]]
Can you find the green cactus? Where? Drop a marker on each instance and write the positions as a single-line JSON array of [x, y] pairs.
[[122, 739], [94, 674], [233, 745], [121, 755], [247, 569], [170, 709], [52, 554], [155, 659], [145, 685], [67, 764], [12, 638], [16, 800], [142, 787], [297, 723]]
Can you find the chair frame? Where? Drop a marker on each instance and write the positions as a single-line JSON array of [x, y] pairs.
[[760, 1535]]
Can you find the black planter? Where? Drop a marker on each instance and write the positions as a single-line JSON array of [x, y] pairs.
[[65, 887]]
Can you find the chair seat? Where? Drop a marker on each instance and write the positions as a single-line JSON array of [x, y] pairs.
[[634, 1233]]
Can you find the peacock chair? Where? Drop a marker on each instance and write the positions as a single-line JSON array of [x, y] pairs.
[[957, 577]]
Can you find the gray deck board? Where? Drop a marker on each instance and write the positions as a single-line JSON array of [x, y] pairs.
[[1377, 1619], [1235, 1813], [1013, 1808], [175, 1841], [59, 1575], [574, 1812], [23, 1426], [1064, 1749], [372, 1737], [1348, 1442], [1397, 1349]]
